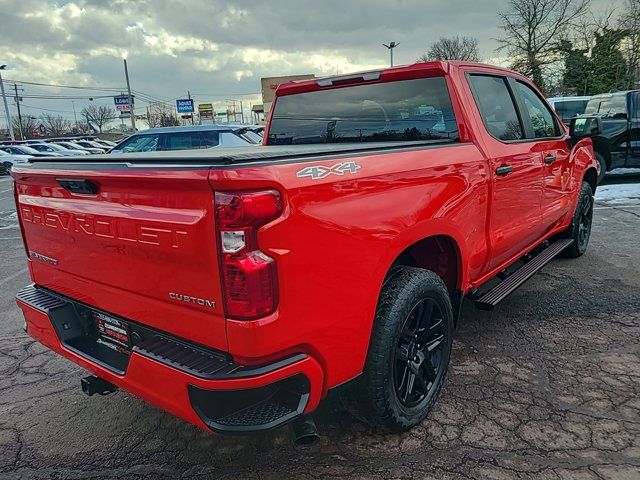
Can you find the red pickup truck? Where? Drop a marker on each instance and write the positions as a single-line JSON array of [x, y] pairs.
[[236, 288]]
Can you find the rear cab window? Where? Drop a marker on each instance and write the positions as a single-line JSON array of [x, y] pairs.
[[611, 105], [405, 110]]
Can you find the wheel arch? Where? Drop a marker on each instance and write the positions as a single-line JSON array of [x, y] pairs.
[[591, 177], [442, 254]]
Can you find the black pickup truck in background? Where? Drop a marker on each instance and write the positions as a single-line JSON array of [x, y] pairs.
[[618, 144]]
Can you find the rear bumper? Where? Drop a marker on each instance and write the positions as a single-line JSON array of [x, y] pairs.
[[199, 385]]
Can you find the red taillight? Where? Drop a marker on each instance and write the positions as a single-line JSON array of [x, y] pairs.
[[249, 276]]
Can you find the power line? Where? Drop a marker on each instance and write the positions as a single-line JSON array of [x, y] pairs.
[[80, 87]]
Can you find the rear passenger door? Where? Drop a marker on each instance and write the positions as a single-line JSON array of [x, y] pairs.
[[541, 126], [516, 169]]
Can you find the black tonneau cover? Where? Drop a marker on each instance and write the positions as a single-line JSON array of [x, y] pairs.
[[225, 156]]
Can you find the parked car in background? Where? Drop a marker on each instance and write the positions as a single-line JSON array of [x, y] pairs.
[[91, 144], [105, 143], [187, 138], [75, 146], [568, 107], [8, 160], [26, 150], [618, 144], [44, 147]]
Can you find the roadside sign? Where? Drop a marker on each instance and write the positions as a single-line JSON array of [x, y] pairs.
[[185, 105], [205, 110], [122, 103]]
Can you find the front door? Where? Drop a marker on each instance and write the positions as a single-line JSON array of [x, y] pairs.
[[542, 126], [516, 168]]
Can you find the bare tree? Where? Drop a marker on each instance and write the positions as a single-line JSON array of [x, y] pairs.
[[533, 30], [453, 48], [161, 115], [630, 22], [25, 126], [98, 115], [55, 125]]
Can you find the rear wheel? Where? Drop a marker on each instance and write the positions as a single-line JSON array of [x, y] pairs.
[[580, 229], [409, 351]]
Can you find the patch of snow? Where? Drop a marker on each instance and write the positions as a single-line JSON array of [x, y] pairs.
[[628, 193], [624, 171]]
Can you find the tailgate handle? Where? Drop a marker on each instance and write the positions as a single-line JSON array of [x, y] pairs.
[[80, 186]]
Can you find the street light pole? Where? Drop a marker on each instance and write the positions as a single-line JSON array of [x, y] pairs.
[[391, 46], [6, 107]]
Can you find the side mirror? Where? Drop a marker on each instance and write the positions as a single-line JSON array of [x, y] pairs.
[[584, 126]]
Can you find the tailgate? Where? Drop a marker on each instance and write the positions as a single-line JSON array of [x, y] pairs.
[[142, 247]]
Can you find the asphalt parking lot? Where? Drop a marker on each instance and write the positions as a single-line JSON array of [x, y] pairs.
[[545, 386]]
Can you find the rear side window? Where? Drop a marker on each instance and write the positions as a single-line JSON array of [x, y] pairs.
[[139, 143], [538, 113], [405, 110], [496, 107]]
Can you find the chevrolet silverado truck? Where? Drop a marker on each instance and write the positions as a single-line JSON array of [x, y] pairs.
[[618, 143], [237, 288]]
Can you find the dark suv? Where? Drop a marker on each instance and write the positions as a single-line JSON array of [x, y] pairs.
[[618, 144]]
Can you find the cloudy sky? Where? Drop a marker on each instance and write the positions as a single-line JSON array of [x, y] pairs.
[[218, 50]]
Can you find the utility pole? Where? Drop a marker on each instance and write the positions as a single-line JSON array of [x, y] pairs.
[[391, 46], [6, 107], [15, 86], [133, 116], [189, 97], [75, 118]]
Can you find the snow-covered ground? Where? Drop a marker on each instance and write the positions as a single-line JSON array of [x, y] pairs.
[[624, 171], [621, 194]]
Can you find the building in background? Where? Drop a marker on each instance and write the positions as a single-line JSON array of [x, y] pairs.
[[269, 85]]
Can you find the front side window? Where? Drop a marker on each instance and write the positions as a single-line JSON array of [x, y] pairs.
[[190, 140], [139, 143], [405, 110], [542, 120], [496, 107]]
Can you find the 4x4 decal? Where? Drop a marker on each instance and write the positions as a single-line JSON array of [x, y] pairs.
[[320, 171]]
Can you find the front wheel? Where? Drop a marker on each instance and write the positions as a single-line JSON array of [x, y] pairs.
[[580, 229], [603, 167], [409, 351]]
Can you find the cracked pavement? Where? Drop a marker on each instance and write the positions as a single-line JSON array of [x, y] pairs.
[[547, 385]]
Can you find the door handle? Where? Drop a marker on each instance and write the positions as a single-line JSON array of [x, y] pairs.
[[549, 159], [504, 170]]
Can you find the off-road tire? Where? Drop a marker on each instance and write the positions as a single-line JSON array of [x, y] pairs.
[[377, 397], [580, 228]]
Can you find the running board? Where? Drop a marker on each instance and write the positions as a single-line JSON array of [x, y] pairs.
[[512, 281]]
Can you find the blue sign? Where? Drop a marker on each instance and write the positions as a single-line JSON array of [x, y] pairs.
[[185, 105]]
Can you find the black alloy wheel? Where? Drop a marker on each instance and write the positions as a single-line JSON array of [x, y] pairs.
[[418, 355]]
